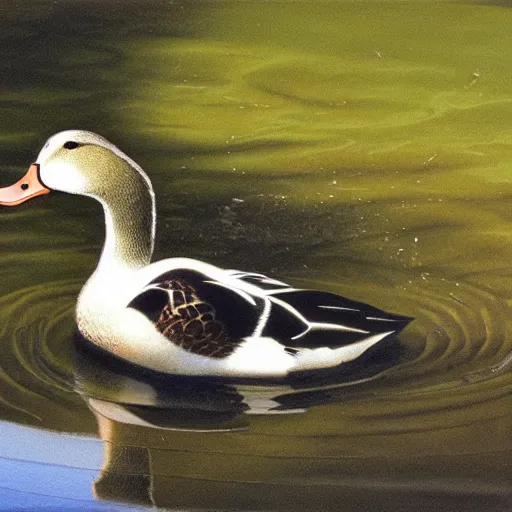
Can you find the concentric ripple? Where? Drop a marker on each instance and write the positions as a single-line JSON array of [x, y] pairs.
[[36, 365], [465, 329], [455, 353]]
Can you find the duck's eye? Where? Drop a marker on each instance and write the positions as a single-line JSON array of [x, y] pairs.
[[71, 145]]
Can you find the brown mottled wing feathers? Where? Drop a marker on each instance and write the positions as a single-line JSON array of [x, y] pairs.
[[190, 322]]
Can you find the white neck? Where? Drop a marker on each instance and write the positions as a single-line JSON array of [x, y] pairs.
[[129, 240], [129, 236]]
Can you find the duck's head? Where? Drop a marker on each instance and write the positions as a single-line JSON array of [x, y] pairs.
[[78, 162]]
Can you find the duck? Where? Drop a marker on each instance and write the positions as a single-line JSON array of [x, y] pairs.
[[179, 315]]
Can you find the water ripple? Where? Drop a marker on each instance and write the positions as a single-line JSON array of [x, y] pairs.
[[460, 341]]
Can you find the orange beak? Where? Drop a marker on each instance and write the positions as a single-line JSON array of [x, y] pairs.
[[28, 187]]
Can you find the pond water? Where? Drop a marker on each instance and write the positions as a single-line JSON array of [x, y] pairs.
[[362, 147]]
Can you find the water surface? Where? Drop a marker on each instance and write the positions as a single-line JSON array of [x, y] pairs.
[[359, 147]]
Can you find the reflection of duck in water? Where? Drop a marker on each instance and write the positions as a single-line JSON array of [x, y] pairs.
[[184, 316], [129, 394], [143, 415]]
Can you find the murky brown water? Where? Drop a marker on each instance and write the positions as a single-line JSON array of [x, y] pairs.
[[359, 147]]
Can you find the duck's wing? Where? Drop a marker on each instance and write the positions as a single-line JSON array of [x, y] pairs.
[[331, 320], [201, 315], [309, 318], [212, 318]]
